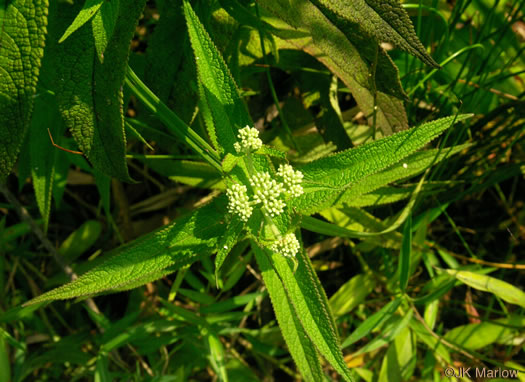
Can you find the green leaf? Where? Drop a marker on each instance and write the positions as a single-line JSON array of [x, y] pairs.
[[219, 90], [301, 347], [316, 225], [309, 303], [373, 80], [392, 194], [5, 364], [389, 332], [217, 355], [90, 93], [351, 294], [173, 246], [372, 322], [102, 373], [166, 49], [87, 12], [400, 360], [174, 124], [502, 289], [385, 20], [433, 343], [104, 24], [22, 36], [410, 166], [405, 255], [326, 179], [229, 162], [43, 154], [80, 240], [477, 336], [228, 240]]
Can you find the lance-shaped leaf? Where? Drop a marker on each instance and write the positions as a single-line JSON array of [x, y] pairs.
[[385, 20], [477, 336], [104, 25], [90, 93], [410, 166], [301, 347], [219, 93], [22, 36], [165, 51], [89, 9], [368, 72], [148, 257], [391, 194], [308, 302], [500, 288], [327, 179], [43, 154]]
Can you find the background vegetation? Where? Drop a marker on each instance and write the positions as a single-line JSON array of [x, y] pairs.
[[443, 289]]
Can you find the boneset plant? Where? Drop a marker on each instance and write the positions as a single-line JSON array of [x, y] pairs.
[[266, 201]]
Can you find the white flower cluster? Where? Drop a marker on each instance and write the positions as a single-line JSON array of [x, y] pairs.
[[250, 141], [239, 201], [287, 246], [292, 180], [267, 191]]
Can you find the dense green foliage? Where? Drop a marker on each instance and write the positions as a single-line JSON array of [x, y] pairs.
[[287, 189]]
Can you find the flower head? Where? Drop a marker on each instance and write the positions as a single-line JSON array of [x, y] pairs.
[[250, 141], [287, 246], [267, 191], [239, 201], [292, 180]]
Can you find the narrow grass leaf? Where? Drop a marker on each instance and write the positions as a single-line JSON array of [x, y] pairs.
[[502, 289], [102, 369], [351, 294], [232, 303], [378, 318], [5, 364], [80, 240], [176, 245], [22, 35], [400, 360], [388, 333], [406, 252], [478, 336], [217, 355], [434, 344], [316, 225], [172, 121]]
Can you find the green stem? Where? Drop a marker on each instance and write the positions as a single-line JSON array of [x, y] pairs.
[[175, 125]]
